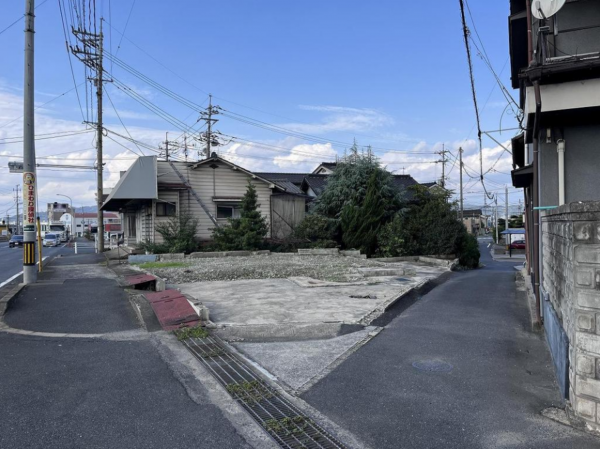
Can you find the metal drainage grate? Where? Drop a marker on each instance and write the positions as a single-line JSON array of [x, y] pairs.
[[286, 424]]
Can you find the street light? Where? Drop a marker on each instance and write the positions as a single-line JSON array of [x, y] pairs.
[[71, 214]]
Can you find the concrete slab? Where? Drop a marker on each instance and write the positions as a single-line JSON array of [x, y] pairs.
[[299, 364], [269, 307]]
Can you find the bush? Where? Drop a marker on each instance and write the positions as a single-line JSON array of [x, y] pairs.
[[153, 248], [315, 228], [245, 233], [469, 254], [391, 240], [179, 234], [428, 228]]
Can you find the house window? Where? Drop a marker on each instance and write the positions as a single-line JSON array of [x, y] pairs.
[[231, 211], [165, 209]]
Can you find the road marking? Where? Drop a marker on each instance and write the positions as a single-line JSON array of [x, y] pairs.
[[16, 276]]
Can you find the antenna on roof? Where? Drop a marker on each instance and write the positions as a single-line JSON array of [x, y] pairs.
[[542, 9]]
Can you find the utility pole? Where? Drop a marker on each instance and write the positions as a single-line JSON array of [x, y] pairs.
[[92, 55], [167, 146], [497, 233], [16, 190], [443, 161], [460, 153], [506, 203], [29, 170], [208, 135], [99, 131]]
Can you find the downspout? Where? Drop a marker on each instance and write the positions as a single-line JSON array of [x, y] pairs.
[[536, 201], [529, 34], [561, 171]]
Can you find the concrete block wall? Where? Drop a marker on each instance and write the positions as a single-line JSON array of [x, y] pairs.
[[571, 280]]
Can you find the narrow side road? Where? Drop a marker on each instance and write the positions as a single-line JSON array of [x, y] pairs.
[[493, 376]]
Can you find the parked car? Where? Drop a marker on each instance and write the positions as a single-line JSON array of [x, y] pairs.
[[15, 240], [518, 244], [51, 240]]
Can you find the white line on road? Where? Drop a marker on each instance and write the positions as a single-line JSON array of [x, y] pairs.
[[16, 276]]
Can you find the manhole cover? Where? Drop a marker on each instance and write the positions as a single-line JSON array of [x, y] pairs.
[[433, 366]]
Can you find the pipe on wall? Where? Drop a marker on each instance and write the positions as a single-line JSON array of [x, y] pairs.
[[560, 146], [536, 201], [529, 33]]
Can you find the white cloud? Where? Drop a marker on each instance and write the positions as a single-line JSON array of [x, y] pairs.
[[341, 119]]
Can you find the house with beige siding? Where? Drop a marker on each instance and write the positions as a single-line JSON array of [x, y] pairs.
[[153, 191]]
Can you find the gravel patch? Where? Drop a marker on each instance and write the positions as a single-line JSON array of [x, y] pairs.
[[326, 268]]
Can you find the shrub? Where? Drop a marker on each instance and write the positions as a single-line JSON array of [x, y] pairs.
[[468, 255], [391, 240], [179, 234], [315, 227], [247, 232]]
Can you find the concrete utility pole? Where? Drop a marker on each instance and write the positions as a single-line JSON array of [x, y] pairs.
[[460, 153], [207, 117], [92, 55], [16, 190], [29, 172], [443, 161], [506, 202], [100, 129], [497, 232]]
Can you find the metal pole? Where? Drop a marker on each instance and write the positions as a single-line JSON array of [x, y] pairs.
[[29, 174], [167, 146], [460, 152], [72, 214], [99, 87]]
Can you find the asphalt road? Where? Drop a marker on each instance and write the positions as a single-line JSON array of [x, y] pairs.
[[499, 374], [11, 259]]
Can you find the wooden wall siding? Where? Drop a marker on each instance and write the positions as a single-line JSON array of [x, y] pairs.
[[207, 183], [170, 196], [288, 212]]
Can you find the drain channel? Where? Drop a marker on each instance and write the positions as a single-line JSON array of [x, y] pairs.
[[284, 422]]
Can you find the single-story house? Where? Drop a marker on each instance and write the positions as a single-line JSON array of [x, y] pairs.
[[152, 191]]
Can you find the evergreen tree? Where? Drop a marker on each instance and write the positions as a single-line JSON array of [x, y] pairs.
[[248, 231], [360, 223]]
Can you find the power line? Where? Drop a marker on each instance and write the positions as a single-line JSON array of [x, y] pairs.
[[20, 18], [125, 29]]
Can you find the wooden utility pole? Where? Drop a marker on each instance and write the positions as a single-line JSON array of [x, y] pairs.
[[460, 152]]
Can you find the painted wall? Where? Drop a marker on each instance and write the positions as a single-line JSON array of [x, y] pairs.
[[582, 166], [207, 182]]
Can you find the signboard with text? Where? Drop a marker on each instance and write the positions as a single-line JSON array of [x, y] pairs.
[[28, 202]]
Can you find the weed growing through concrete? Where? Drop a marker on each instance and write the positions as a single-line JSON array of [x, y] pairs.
[[150, 265], [191, 332], [250, 392], [288, 426], [213, 353]]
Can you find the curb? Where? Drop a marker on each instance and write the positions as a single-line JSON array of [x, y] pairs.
[[5, 301]]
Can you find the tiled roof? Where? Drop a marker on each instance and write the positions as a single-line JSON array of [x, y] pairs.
[[472, 212], [294, 178], [402, 183], [316, 182]]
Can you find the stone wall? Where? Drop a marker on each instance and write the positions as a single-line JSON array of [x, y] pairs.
[[571, 283]]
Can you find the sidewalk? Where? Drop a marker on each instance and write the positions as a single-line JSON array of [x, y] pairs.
[[458, 369], [82, 372]]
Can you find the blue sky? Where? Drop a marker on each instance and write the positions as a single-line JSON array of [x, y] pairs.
[[391, 74]]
